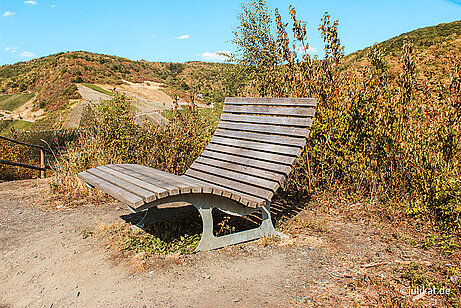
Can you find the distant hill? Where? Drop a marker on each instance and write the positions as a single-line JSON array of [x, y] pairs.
[[52, 78], [435, 48], [423, 38]]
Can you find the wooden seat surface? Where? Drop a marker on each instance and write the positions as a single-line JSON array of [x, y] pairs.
[[252, 151]]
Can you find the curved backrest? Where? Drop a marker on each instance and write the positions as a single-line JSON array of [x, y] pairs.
[[256, 144]]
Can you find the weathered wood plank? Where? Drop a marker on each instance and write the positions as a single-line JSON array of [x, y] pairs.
[[273, 139], [160, 175], [284, 121], [267, 129], [246, 188], [269, 166], [268, 110], [276, 158], [145, 194], [236, 176], [311, 102], [172, 190], [245, 198], [159, 191], [169, 177], [252, 145], [115, 191], [251, 170]]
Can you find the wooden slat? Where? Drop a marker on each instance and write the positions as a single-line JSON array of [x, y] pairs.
[[264, 147], [270, 166], [207, 187], [172, 190], [268, 129], [115, 191], [160, 175], [284, 121], [251, 170], [271, 101], [273, 139], [280, 159], [245, 198], [268, 110], [145, 194], [245, 188], [236, 176], [159, 191]]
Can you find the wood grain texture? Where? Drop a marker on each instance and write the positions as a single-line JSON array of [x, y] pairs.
[[253, 145], [269, 110], [159, 191], [249, 200], [228, 183], [250, 169], [266, 129], [145, 194], [276, 158], [255, 119], [237, 176], [254, 136], [308, 102], [172, 190], [115, 191], [247, 161]]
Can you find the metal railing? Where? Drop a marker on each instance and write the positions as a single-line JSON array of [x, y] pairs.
[[42, 149]]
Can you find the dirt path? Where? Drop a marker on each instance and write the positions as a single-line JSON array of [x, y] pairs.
[[46, 262], [89, 96]]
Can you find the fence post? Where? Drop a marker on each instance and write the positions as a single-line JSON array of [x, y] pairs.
[[42, 164]]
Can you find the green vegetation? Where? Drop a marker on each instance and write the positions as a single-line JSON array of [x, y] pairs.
[[181, 234], [387, 130], [421, 38], [12, 102], [16, 124], [53, 77], [375, 137], [99, 89], [115, 138], [204, 112]]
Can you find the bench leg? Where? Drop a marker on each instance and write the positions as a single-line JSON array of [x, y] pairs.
[[209, 241], [205, 203]]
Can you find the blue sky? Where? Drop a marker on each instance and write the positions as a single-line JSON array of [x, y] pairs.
[[179, 31]]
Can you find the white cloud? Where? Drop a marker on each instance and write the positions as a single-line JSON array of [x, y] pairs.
[[31, 2], [27, 54], [8, 13], [310, 50], [218, 56], [11, 49], [52, 5], [182, 37]]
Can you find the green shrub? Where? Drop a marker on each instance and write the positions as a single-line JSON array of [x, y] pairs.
[[393, 138], [113, 137]]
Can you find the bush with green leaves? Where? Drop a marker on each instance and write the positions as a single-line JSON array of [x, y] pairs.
[[393, 138], [112, 136]]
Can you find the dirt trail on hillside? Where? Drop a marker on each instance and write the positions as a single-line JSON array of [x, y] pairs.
[[45, 261], [89, 96]]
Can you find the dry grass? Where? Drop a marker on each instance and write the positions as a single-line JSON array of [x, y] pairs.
[[395, 277]]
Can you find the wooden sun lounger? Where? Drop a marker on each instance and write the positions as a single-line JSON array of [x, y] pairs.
[[252, 151]]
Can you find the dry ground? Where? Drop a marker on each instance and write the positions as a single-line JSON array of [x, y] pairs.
[[333, 258]]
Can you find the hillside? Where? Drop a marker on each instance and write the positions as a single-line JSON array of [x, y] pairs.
[[435, 46], [53, 79]]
